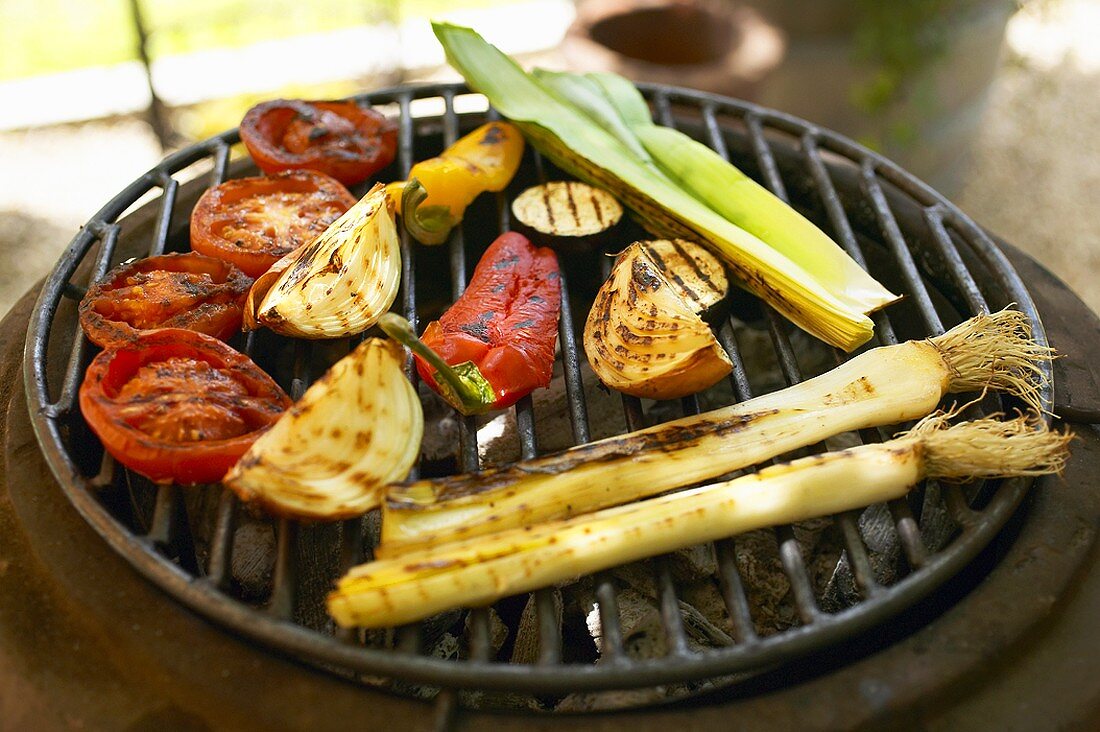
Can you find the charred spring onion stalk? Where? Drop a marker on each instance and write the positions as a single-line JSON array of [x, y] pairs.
[[833, 308], [883, 386], [355, 429], [337, 285], [478, 571]]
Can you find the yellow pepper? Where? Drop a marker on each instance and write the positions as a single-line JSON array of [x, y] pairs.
[[434, 199]]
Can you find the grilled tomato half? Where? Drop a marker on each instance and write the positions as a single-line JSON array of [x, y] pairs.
[[190, 291], [178, 406], [254, 222], [342, 139]]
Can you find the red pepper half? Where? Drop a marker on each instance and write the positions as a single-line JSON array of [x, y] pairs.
[[495, 345]]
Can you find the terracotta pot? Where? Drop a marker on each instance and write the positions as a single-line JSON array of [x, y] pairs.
[[716, 47]]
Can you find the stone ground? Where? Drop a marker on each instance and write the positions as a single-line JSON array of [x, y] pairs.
[[1031, 180]]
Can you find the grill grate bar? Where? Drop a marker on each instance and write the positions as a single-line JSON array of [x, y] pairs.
[[550, 640], [407, 638], [221, 546], [220, 154], [733, 591], [671, 619], [908, 533], [739, 378], [283, 593], [858, 559], [842, 227], [794, 566], [896, 241], [105, 476], [478, 622], [219, 564], [456, 242], [78, 358], [958, 507], [764, 158], [405, 134], [662, 108], [163, 225], [162, 528], [353, 551], [933, 215], [479, 634], [574, 384], [611, 631]]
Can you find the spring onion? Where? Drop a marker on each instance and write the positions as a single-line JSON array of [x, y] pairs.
[[480, 570], [882, 386]]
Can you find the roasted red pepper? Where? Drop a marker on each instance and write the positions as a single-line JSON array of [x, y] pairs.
[[496, 344]]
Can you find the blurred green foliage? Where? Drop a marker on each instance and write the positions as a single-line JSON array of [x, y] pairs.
[[45, 36]]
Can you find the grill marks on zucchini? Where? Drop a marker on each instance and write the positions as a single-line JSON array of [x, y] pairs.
[[566, 214]]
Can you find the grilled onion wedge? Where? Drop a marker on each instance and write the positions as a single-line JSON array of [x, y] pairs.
[[339, 284], [355, 429], [691, 270], [645, 337]]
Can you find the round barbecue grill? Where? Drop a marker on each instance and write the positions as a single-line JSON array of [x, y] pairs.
[[909, 237]]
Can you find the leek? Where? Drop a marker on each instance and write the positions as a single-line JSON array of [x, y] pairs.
[[484, 569], [714, 181], [883, 386], [834, 311]]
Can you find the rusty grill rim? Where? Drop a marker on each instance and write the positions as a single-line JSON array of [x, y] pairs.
[[202, 594]]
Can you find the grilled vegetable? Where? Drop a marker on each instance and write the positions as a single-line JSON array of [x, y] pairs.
[[883, 386], [496, 344], [832, 308], [434, 199], [566, 215], [253, 222], [190, 291], [341, 139], [355, 429], [337, 285], [644, 335], [480, 570], [696, 274], [176, 405], [586, 94]]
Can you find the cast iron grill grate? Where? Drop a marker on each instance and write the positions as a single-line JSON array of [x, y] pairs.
[[908, 234]]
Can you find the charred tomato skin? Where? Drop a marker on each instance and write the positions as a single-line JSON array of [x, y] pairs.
[[341, 139], [254, 222], [136, 394], [189, 291]]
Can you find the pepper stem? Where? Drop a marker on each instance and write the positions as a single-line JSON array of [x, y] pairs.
[[428, 225], [463, 385]]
